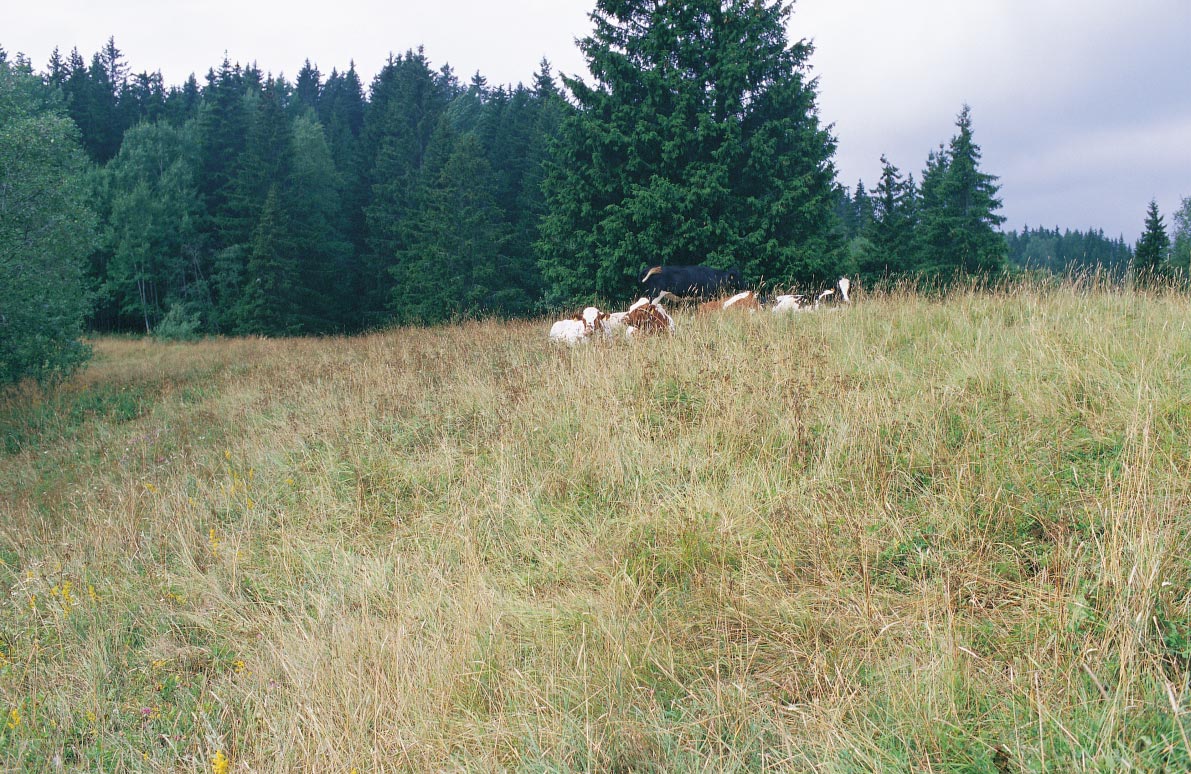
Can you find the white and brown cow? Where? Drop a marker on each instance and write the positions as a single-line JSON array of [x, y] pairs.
[[746, 301], [579, 327]]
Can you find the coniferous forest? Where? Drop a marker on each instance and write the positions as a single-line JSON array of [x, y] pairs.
[[243, 202]]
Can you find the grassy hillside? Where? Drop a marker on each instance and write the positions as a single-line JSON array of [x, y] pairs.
[[911, 535]]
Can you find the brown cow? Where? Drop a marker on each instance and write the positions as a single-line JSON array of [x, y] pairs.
[[647, 318]]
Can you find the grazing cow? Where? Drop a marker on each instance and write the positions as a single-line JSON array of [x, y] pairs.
[[578, 328], [699, 281], [746, 301]]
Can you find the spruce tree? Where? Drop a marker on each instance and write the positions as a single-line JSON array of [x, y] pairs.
[[861, 217], [341, 112], [313, 202], [56, 70], [408, 100], [891, 231], [958, 214], [182, 104], [696, 141], [1149, 259], [223, 130], [265, 161], [268, 303], [453, 264], [308, 87]]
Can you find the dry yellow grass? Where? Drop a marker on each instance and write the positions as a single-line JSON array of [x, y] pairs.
[[911, 535]]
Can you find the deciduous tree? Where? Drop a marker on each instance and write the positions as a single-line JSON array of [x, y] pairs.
[[46, 233]]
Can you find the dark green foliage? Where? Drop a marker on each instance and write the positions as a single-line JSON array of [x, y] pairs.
[[890, 230], [1068, 252], [93, 97], [150, 241], [222, 135], [267, 303], [958, 220], [697, 141], [46, 232], [456, 264], [408, 99], [1149, 259], [308, 87], [323, 254], [859, 217], [1180, 251]]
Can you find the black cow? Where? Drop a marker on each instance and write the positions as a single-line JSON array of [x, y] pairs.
[[701, 281]]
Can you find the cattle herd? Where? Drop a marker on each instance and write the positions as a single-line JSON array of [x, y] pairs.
[[648, 316]]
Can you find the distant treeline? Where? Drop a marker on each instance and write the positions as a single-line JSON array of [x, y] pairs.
[[251, 204], [1069, 252]]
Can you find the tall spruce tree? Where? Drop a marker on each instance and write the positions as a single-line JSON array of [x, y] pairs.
[[696, 141], [958, 217], [223, 129], [891, 231], [453, 262], [408, 99], [308, 87], [861, 216], [267, 303], [313, 200], [1149, 259]]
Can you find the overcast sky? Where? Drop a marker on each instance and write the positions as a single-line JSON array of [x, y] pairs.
[[1082, 107]]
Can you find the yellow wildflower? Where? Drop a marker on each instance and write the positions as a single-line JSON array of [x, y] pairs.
[[149, 486], [220, 764], [14, 718], [92, 593]]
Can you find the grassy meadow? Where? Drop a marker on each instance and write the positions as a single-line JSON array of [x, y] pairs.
[[913, 535]]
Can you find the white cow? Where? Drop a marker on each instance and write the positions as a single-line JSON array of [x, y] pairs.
[[786, 303], [578, 329]]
